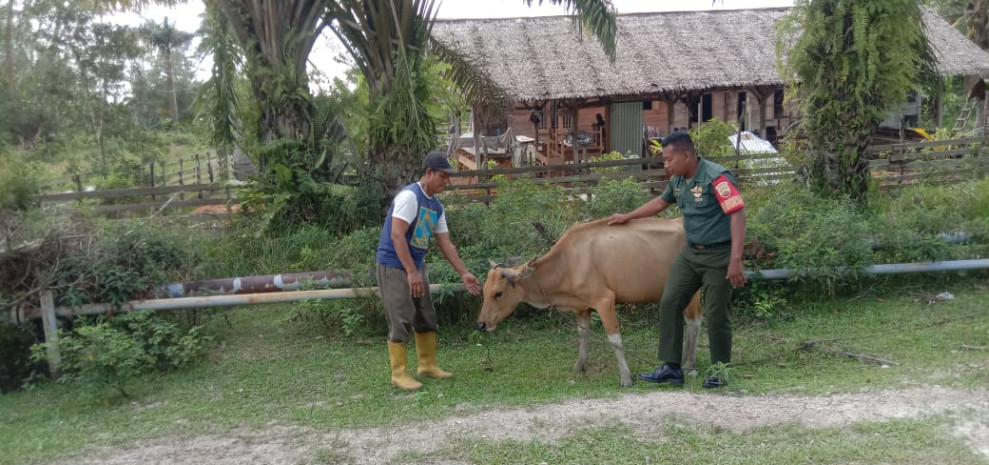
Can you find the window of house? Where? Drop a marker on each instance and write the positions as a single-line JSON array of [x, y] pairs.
[[707, 111], [646, 105]]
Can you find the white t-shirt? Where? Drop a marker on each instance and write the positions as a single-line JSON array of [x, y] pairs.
[[407, 209]]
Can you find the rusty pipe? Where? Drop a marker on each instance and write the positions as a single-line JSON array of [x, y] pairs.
[[258, 284]]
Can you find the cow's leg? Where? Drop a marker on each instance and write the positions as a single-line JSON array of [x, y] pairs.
[[583, 339], [694, 316], [609, 319]]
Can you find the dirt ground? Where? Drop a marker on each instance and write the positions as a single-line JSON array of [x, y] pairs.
[[968, 410]]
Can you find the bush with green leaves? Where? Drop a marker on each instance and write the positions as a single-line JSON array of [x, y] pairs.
[[912, 225], [610, 156], [19, 181], [361, 316], [616, 196], [522, 221], [816, 236], [15, 351], [127, 261], [711, 139], [106, 352]]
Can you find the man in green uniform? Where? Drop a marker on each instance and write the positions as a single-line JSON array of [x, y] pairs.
[[714, 219]]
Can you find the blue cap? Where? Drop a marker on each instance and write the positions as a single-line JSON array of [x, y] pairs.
[[439, 161]]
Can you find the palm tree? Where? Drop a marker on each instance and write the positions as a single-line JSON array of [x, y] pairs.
[[388, 40], [852, 60], [166, 39]]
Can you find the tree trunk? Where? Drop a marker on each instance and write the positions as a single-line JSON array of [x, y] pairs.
[[8, 36], [841, 166], [396, 168], [170, 77]]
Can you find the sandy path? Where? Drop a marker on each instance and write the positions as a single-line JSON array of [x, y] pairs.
[[642, 413]]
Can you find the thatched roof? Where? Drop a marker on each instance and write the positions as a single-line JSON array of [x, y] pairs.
[[544, 58]]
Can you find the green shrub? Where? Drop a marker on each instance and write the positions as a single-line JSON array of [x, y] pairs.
[[814, 235], [616, 196], [610, 156], [107, 352], [127, 261], [711, 139], [361, 316], [15, 355], [19, 181]]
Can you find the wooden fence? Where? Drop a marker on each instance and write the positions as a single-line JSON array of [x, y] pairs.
[[892, 165], [899, 165], [480, 185], [204, 168], [137, 199]]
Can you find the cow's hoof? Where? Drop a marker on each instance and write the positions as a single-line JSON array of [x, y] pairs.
[[626, 384], [579, 368]]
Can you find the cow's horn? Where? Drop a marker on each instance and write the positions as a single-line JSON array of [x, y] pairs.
[[527, 270], [493, 264], [509, 277]]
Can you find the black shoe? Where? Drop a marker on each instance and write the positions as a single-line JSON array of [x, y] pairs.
[[713, 382], [664, 374]]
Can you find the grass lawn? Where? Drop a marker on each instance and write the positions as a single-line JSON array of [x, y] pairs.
[[267, 371]]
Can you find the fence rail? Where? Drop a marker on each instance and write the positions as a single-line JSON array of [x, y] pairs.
[[161, 197], [894, 165]]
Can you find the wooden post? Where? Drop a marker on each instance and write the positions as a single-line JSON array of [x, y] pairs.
[[199, 175], [50, 323], [209, 166], [181, 181], [78, 180], [151, 167]]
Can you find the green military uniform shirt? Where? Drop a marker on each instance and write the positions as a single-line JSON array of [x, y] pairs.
[[703, 218]]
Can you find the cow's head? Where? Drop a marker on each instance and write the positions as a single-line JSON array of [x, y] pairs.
[[502, 293]]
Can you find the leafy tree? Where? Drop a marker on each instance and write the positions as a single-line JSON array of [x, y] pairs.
[[850, 62], [388, 40], [167, 41]]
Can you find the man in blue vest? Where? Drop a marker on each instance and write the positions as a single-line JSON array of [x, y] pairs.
[[416, 215], [714, 220]]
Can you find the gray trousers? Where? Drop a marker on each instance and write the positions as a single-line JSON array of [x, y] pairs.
[[691, 270], [404, 313]]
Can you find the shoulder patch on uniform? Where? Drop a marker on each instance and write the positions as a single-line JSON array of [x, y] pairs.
[[728, 195]]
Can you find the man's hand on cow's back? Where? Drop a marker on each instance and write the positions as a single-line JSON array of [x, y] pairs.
[[618, 218], [471, 283]]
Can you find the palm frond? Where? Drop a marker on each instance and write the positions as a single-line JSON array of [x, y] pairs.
[[479, 90]]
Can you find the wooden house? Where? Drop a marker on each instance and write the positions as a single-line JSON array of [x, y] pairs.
[[673, 70]]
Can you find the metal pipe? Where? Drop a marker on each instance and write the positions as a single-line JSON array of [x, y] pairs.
[[218, 301], [22, 313], [890, 268], [257, 284]]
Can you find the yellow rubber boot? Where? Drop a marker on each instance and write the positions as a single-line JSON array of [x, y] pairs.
[[426, 350], [399, 375]]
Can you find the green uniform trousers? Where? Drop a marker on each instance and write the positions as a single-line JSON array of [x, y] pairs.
[[692, 269]]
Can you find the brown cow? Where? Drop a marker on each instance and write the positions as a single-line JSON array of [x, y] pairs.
[[594, 266]]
